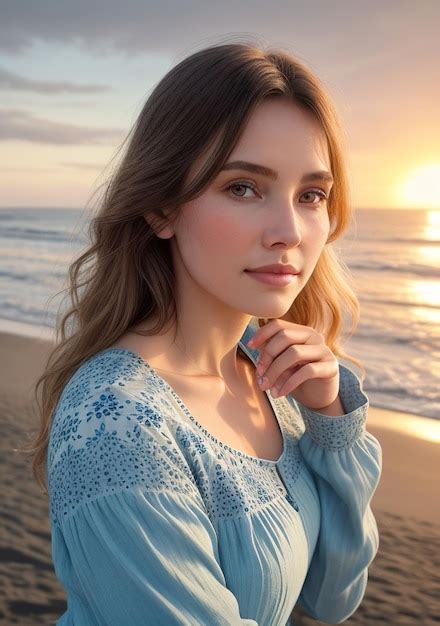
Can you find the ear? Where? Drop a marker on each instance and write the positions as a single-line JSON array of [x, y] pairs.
[[161, 225]]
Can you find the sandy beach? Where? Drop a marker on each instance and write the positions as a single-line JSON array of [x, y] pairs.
[[404, 579]]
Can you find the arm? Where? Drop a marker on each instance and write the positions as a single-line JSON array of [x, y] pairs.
[[133, 542], [346, 463], [143, 557]]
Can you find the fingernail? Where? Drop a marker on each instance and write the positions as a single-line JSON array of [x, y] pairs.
[[262, 381], [274, 392]]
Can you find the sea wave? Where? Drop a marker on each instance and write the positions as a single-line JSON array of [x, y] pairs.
[[417, 241], [36, 234], [417, 269], [408, 303]]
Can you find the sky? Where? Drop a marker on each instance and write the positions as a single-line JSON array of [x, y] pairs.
[[74, 76]]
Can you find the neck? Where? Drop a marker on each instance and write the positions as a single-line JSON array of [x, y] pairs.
[[197, 354]]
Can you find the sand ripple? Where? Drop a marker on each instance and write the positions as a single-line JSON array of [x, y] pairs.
[[403, 587]]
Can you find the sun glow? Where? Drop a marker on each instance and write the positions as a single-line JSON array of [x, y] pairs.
[[421, 187]]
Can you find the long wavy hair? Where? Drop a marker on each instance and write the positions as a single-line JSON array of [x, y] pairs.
[[125, 276]]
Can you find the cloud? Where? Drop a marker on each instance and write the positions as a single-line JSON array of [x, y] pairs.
[[145, 25], [16, 124], [105, 25], [316, 30], [77, 165], [26, 170], [8, 80]]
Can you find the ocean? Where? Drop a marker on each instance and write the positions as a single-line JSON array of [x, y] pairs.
[[394, 256]]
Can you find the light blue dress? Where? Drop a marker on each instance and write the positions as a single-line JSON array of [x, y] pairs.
[[155, 521]]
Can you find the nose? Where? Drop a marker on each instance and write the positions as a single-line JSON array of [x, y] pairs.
[[285, 227]]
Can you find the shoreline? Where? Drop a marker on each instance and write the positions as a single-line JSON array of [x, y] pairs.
[[419, 425], [410, 443]]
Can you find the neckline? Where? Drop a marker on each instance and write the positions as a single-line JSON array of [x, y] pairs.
[[169, 388]]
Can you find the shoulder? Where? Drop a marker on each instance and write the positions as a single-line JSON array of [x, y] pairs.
[[110, 431], [108, 367], [108, 384]]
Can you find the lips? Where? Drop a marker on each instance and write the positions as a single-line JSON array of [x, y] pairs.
[[277, 268]]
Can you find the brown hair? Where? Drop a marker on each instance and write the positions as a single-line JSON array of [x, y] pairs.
[[125, 276]]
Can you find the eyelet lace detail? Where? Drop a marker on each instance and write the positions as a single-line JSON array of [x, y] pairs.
[[115, 428], [340, 431]]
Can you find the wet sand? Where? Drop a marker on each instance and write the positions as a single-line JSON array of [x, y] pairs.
[[404, 578]]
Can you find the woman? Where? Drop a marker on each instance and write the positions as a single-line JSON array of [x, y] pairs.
[[183, 488]]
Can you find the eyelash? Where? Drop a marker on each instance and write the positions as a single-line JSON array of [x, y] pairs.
[[318, 192]]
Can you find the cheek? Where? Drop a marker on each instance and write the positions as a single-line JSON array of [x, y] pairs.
[[313, 242], [319, 230], [219, 234]]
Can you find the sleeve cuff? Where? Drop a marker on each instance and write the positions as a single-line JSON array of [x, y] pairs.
[[336, 432]]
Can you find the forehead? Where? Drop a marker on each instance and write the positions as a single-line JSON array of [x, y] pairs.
[[279, 130], [280, 134]]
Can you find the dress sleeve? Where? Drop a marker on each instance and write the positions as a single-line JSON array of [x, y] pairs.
[[346, 464], [135, 543]]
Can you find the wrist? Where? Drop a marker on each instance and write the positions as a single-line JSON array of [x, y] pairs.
[[334, 409]]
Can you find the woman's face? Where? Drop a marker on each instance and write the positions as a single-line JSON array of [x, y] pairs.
[[246, 219]]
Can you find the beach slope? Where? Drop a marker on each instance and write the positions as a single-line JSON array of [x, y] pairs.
[[404, 579]]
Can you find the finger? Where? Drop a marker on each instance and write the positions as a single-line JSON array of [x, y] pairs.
[[275, 348], [286, 337], [272, 369], [286, 376], [273, 327], [318, 369]]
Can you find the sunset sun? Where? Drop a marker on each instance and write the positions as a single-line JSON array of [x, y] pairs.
[[421, 187]]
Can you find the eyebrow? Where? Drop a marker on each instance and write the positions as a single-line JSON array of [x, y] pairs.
[[322, 175]]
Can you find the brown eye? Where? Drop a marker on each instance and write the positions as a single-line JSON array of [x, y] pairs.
[[241, 184], [316, 192]]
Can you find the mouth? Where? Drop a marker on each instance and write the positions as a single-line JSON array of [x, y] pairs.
[[277, 279], [275, 268], [272, 272]]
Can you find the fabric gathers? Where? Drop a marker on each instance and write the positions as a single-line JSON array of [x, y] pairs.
[[155, 521]]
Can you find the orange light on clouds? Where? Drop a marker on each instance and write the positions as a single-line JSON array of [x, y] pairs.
[[421, 187]]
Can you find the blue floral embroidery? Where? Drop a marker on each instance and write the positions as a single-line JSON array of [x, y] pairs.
[[107, 406], [116, 427]]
